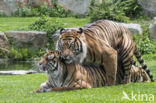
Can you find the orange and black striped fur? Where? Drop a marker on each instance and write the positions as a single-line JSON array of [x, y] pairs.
[[73, 76], [100, 44]]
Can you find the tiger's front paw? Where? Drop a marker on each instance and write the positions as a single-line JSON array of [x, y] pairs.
[[31, 92], [40, 90], [126, 81]]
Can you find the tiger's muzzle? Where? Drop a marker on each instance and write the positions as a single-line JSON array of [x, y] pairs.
[[66, 57]]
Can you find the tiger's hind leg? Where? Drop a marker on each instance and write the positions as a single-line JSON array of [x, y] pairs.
[[127, 59], [109, 59]]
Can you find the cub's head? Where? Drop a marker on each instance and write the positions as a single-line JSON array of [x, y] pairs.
[[49, 62], [144, 75], [139, 74], [70, 44]]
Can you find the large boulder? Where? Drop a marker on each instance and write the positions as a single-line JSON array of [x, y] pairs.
[[8, 7], [27, 39], [76, 6], [152, 29], [149, 7], [133, 28], [4, 44]]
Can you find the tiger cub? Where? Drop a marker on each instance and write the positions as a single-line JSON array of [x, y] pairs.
[[62, 76]]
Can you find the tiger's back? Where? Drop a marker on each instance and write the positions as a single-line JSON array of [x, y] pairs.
[[111, 32]]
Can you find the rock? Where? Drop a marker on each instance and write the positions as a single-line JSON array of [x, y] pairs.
[[28, 39], [79, 7], [8, 7], [17, 72], [152, 29], [133, 28], [4, 44], [149, 7]]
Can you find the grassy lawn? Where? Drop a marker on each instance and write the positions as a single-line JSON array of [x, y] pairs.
[[15, 89], [16, 23]]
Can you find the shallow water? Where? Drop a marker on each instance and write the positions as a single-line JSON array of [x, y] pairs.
[[18, 66]]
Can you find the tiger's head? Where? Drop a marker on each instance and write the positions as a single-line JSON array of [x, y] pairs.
[[71, 45], [49, 62]]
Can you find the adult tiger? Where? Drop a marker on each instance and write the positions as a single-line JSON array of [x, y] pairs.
[[99, 44], [62, 76]]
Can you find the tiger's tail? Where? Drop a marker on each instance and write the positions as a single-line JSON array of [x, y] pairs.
[[142, 63]]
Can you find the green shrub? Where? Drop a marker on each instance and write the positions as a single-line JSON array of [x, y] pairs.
[[24, 12], [2, 15], [56, 11], [145, 45], [118, 10], [132, 8], [22, 54], [43, 24], [107, 10]]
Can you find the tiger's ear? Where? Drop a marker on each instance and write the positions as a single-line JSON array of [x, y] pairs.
[[61, 31], [80, 30]]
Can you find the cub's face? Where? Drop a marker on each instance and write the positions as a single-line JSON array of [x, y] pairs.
[[69, 44], [49, 62]]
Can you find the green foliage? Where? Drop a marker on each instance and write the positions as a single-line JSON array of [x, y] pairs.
[[3, 54], [145, 45], [56, 11], [22, 54], [118, 10], [43, 24], [39, 24], [130, 7], [24, 12], [107, 10], [2, 14]]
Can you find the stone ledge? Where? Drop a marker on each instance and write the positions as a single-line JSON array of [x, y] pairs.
[[28, 39], [152, 29], [17, 72], [133, 28]]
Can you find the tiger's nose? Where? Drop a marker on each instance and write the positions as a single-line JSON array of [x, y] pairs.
[[61, 58]]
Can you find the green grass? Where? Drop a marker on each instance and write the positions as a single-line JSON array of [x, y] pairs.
[[16, 23], [15, 89]]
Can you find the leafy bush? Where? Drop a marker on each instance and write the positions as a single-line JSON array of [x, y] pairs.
[[145, 44], [118, 10], [23, 54], [2, 14], [107, 10], [55, 11], [131, 8], [43, 24], [24, 12]]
